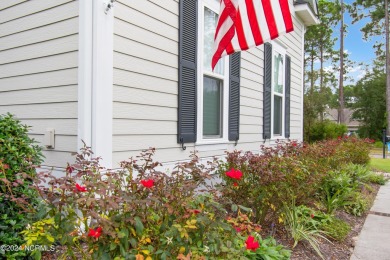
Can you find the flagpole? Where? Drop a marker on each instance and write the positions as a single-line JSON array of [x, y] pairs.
[[341, 79]]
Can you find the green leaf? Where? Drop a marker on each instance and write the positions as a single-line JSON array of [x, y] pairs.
[[229, 244], [50, 238], [37, 255], [139, 227], [234, 207], [121, 234], [113, 246], [105, 256], [133, 242], [244, 208]]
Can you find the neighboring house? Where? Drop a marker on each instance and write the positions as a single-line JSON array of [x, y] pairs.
[[137, 75], [332, 115]]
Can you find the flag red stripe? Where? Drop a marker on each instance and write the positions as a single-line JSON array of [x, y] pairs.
[[269, 16], [253, 22], [226, 39], [223, 16], [286, 15], [229, 49], [232, 36], [240, 32]]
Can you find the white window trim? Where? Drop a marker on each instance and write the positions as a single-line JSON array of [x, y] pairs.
[[278, 48], [214, 6]]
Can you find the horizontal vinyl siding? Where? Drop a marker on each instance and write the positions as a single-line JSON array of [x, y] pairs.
[[294, 43], [146, 79], [38, 70], [146, 85]]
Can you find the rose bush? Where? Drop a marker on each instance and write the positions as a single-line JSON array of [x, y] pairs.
[[139, 212]]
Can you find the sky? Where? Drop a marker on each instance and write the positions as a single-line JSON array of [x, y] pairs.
[[358, 49]]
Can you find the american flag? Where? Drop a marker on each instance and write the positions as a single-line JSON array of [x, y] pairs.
[[243, 24]]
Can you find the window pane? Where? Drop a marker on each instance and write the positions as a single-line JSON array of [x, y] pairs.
[[278, 108], [278, 73], [212, 118], [210, 23]]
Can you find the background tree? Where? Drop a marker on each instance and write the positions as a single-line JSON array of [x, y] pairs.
[[370, 104], [378, 13], [319, 42]]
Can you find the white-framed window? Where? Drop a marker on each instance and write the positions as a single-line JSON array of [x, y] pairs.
[[213, 86], [278, 91]]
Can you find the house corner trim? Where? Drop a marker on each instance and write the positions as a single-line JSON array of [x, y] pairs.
[[96, 78], [84, 124]]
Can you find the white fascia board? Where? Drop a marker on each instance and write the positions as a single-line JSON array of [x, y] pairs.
[[305, 13]]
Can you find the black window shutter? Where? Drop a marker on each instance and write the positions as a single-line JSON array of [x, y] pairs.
[[234, 96], [267, 91], [187, 71], [287, 97]]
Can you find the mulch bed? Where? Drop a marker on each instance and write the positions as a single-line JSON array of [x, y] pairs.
[[333, 250]]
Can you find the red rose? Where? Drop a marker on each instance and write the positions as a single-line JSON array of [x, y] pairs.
[[312, 215], [235, 184], [95, 232], [196, 211], [80, 188], [234, 174], [147, 183], [294, 144], [251, 244], [238, 230]]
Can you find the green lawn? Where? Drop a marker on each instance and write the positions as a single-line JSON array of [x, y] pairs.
[[379, 164]]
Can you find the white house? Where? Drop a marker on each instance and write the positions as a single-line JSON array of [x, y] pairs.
[[136, 74]]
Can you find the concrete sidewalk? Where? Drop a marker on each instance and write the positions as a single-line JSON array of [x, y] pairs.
[[374, 239]]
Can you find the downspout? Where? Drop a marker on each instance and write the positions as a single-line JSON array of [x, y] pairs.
[[303, 77]]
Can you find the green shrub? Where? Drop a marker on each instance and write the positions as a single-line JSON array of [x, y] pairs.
[[342, 188], [276, 175], [362, 174], [356, 204], [290, 170], [335, 228], [325, 130], [18, 156], [357, 172], [375, 178], [138, 212], [355, 150], [336, 188], [378, 144], [300, 229], [331, 226]]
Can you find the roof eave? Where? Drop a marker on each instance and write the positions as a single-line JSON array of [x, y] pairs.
[[306, 14]]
